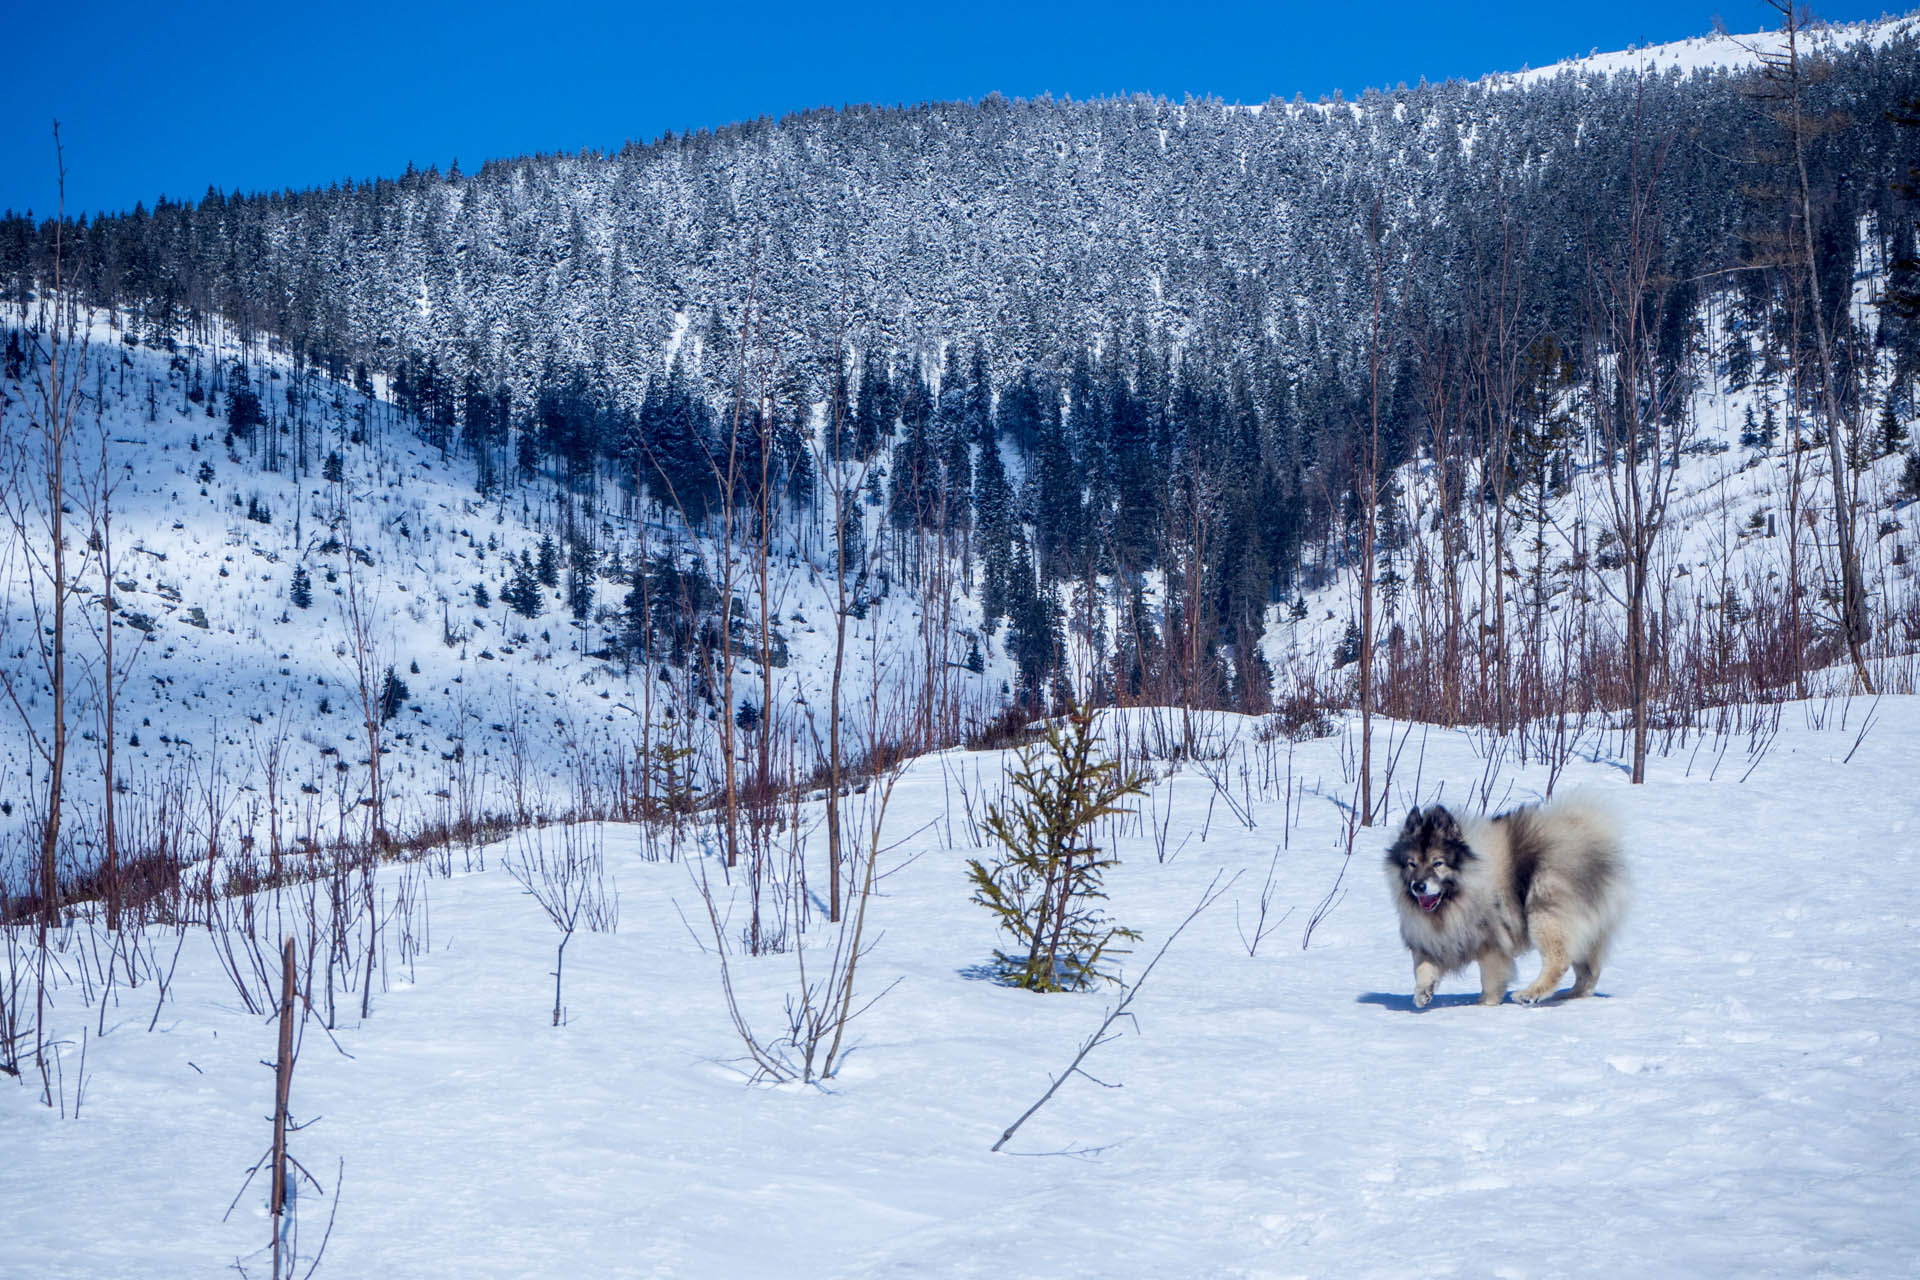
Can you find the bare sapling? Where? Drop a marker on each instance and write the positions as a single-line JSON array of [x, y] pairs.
[[1121, 1008], [1262, 926], [270, 751], [822, 1003], [284, 1172], [570, 884], [358, 617], [15, 969], [853, 553], [1351, 815], [364, 657], [1369, 464], [1496, 348]]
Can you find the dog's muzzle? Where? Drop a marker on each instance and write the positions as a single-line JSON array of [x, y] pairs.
[[1429, 901]]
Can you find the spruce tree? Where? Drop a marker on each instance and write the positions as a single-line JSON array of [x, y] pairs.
[[1045, 892], [993, 528], [634, 629], [393, 695], [522, 593], [1035, 619], [301, 592], [579, 582], [243, 406], [1893, 435]]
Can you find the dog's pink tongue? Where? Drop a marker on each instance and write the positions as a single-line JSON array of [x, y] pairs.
[[1429, 903]]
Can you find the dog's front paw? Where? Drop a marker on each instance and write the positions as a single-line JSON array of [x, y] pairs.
[[1421, 999], [1533, 995]]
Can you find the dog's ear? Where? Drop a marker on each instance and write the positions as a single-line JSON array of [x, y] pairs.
[[1412, 824], [1442, 822]]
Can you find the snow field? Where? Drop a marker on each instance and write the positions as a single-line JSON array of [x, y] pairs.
[[1737, 1100]]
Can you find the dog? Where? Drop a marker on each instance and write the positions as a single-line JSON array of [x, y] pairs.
[[1487, 889]]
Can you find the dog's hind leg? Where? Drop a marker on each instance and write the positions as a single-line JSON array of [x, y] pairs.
[[1553, 963], [1496, 971], [1586, 971]]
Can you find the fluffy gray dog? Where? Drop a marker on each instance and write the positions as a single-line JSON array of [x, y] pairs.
[[1486, 889]]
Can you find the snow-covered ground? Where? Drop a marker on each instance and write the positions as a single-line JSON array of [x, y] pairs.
[[1739, 1100]]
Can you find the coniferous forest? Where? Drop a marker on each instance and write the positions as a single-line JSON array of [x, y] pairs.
[[1075, 344]]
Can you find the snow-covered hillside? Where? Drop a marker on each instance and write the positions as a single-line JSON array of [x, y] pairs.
[[1735, 1101], [505, 716]]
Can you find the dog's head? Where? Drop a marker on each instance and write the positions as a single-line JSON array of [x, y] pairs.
[[1427, 857]]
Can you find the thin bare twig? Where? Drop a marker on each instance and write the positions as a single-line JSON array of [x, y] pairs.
[[1104, 1033]]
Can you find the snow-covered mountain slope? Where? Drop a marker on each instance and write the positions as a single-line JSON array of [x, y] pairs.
[[504, 715], [1735, 1101]]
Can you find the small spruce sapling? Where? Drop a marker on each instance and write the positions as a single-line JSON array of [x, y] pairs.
[[1046, 891], [393, 695], [1893, 433]]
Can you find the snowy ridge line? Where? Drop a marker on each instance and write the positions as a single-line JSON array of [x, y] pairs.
[[1717, 52]]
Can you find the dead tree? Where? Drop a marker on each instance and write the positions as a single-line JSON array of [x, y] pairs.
[[97, 490], [1627, 295], [35, 500], [1786, 73], [844, 489], [1369, 484]]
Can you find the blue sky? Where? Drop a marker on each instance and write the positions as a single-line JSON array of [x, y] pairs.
[[175, 98]]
